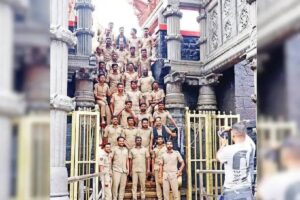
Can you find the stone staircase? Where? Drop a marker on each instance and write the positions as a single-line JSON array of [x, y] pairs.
[[150, 191]]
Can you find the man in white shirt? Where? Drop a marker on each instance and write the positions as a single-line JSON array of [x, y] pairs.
[[237, 160]]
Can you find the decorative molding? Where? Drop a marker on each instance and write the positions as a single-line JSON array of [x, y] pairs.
[[62, 102], [213, 30], [210, 79], [79, 5], [12, 104], [57, 32], [83, 31], [202, 40], [243, 17], [175, 77], [173, 37], [85, 73], [172, 12], [201, 17]]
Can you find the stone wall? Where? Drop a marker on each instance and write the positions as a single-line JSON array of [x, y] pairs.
[[244, 88], [189, 47], [225, 91]]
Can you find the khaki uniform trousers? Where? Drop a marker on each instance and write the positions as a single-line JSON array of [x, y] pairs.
[[159, 191], [141, 178], [106, 185], [170, 179], [104, 110], [118, 185]]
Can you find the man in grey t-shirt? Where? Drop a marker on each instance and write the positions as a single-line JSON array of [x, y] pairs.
[[238, 161]]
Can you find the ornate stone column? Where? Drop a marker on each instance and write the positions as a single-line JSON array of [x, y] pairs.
[[201, 19], [84, 95], [60, 104], [175, 103], [84, 31], [172, 14], [11, 104], [207, 96]]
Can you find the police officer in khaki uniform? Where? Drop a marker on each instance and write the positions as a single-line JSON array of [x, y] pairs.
[[127, 112], [114, 60], [145, 83], [120, 168], [157, 95], [158, 151], [135, 96], [145, 132], [112, 132], [133, 58], [130, 133], [169, 172], [105, 171], [129, 75], [147, 41], [138, 156], [107, 50], [114, 78], [144, 114], [101, 91], [117, 102], [163, 114]]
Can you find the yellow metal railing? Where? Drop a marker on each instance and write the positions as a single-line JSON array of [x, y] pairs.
[[32, 136], [85, 140], [202, 144]]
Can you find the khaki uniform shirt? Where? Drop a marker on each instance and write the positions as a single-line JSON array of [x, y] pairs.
[[135, 42], [142, 116], [113, 80], [109, 66], [170, 161], [147, 43], [119, 159], [135, 60], [157, 94], [146, 83], [128, 77], [135, 97], [112, 133], [118, 102], [107, 52], [146, 135], [122, 57], [105, 162], [165, 115], [124, 115], [139, 156], [102, 90], [157, 153], [145, 63], [130, 134]]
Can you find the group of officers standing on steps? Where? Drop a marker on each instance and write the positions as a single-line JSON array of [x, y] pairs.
[[136, 142]]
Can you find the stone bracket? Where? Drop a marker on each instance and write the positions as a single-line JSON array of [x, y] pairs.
[[81, 31], [173, 37], [202, 40], [209, 79], [62, 102], [85, 73], [57, 32], [201, 17], [12, 104], [175, 77], [172, 12]]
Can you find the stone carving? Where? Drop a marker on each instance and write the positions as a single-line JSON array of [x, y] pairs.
[[173, 37], [243, 14], [62, 102], [226, 7], [62, 34], [213, 18], [228, 29]]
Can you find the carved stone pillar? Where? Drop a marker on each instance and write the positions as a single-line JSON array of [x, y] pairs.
[[84, 31], [11, 104], [202, 40], [172, 14], [175, 103], [84, 95], [60, 104], [207, 96]]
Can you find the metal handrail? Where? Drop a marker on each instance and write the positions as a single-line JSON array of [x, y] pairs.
[[82, 177], [199, 171]]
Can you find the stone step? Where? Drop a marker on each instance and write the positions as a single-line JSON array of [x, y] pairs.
[[149, 195]]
